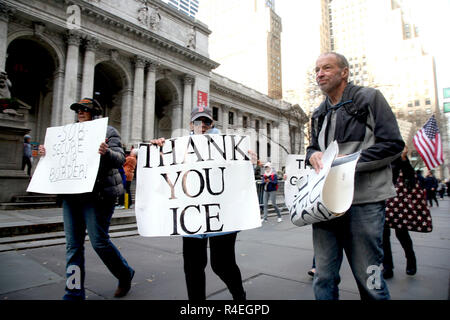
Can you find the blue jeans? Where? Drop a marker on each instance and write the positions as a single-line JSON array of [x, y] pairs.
[[81, 212], [359, 233], [272, 195]]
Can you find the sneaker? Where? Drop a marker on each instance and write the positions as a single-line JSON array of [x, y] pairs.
[[263, 220], [279, 220]]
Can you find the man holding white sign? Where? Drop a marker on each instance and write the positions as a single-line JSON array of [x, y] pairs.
[[359, 119], [89, 198], [201, 187]]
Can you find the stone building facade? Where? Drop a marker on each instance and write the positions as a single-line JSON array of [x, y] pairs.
[[146, 63]]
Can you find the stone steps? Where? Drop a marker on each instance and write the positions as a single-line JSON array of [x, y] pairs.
[[56, 238]]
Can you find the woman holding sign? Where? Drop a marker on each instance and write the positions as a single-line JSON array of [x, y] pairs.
[[222, 245], [93, 211]]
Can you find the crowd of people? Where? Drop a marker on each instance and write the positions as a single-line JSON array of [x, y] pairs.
[[358, 118]]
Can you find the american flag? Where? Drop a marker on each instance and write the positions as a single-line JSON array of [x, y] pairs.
[[429, 145]]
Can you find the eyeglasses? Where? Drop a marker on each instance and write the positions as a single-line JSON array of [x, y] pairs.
[[83, 109], [206, 121]]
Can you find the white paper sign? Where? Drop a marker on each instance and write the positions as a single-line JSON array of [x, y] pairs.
[[71, 160], [328, 194], [196, 184], [296, 170]]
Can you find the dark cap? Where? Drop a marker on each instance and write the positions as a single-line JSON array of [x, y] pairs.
[[201, 112], [91, 104]]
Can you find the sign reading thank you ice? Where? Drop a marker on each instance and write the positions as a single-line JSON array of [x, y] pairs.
[[196, 184]]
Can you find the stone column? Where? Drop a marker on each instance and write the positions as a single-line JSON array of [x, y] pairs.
[[5, 13], [149, 108], [263, 140], [177, 117], [275, 146], [70, 77], [252, 132], [125, 124], [58, 90], [87, 86], [187, 101], [138, 100], [225, 111], [239, 122], [283, 131]]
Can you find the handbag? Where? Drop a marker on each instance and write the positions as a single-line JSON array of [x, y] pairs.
[[409, 209]]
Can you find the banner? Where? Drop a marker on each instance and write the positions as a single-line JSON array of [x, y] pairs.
[[198, 184], [296, 170], [328, 194], [71, 160]]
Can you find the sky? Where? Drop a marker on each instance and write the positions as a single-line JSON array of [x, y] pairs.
[[431, 16]]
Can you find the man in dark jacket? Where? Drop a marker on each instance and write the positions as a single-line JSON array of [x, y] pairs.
[[27, 155], [359, 119], [93, 211], [431, 185]]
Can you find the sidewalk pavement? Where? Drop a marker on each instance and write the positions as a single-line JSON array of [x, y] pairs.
[[273, 259]]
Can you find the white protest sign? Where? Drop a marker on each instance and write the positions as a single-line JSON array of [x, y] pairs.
[[196, 184], [296, 170], [71, 160], [328, 194]]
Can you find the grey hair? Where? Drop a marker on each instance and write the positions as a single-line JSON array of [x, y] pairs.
[[341, 59]]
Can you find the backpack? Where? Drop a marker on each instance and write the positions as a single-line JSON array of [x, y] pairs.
[[273, 177]]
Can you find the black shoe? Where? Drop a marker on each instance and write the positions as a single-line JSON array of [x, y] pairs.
[[312, 272], [388, 273], [411, 266], [123, 287]]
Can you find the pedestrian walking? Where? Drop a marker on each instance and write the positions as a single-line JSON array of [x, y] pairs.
[[441, 188], [129, 167], [447, 183], [359, 119], [27, 154], [405, 185], [221, 245], [270, 180], [431, 185], [93, 211], [121, 198]]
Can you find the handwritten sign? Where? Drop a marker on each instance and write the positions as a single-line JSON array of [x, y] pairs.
[[71, 161], [296, 171], [328, 194], [196, 184]]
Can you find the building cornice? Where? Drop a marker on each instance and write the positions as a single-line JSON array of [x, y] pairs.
[[112, 21], [234, 89]]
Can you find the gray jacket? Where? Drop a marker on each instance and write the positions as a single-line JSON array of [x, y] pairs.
[[362, 121]]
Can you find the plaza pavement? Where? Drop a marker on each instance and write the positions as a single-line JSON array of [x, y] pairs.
[[274, 260]]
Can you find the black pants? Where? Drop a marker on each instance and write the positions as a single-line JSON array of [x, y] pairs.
[[122, 197], [431, 195], [26, 162], [223, 263], [405, 241], [128, 190]]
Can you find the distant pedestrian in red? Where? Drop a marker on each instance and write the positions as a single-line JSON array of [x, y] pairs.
[[129, 167]]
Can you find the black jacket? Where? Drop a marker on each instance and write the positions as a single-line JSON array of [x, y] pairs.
[[362, 121], [109, 181], [407, 170]]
